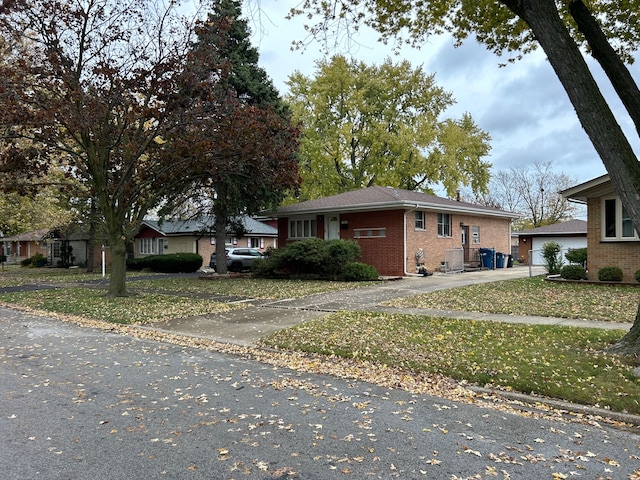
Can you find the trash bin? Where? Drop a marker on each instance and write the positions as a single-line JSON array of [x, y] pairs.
[[487, 255], [510, 261], [499, 260]]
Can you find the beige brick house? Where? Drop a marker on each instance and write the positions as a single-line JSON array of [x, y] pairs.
[[400, 229], [197, 236], [611, 238]]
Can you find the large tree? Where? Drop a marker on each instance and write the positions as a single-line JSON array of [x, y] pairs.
[[101, 86], [382, 125], [560, 28], [532, 191], [249, 154]]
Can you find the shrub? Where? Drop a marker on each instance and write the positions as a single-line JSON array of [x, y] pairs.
[[136, 264], [577, 255], [26, 262], [636, 275], [610, 274], [173, 263], [3, 258], [552, 257], [359, 272], [314, 257], [573, 272], [37, 260]]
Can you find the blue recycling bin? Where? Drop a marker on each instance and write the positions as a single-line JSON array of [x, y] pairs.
[[487, 255], [499, 260]]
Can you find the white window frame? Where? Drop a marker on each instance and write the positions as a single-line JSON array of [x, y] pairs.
[[146, 246], [303, 227], [444, 225], [255, 242], [419, 220], [620, 220]]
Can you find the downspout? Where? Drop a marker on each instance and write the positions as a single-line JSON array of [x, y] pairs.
[[404, 237]]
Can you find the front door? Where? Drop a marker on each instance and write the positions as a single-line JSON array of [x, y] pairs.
[[333, 229], [465, 242]]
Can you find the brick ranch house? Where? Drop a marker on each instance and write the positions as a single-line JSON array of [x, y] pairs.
[[398, 229], [195, 236], [611, 238]]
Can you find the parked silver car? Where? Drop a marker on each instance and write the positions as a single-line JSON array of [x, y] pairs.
[[238, 259]]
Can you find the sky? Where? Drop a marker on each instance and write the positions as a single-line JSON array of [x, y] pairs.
[[522, 106]]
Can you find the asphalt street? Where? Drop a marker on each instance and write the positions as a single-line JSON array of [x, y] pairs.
[[82, 403]]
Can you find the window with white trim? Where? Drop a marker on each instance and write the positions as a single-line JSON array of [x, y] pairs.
[[370, 232], [476, 234], [303, 228], [616, 223], [145, 245], [256, 242], [419, 220], [444, 225]]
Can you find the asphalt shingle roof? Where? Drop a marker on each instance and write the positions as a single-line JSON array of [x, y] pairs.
[[187, 227], [575, 227], [386, 198]]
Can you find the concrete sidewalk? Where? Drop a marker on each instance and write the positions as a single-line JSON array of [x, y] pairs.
[[261, 317]]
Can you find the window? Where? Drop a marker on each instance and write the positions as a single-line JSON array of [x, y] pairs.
[[56, 249], [476, 234], [369, 233], [305, 228], [256, 242], [616, 221], [145, 245], [444, 225], [419, 220]]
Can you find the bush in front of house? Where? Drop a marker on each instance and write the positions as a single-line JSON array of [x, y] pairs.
[[171, 263], [313, 258], [610, 274], [636, 275], [37, 260], [136, 264], [359, 272], [573, 272], [552, 258], [577, 256]]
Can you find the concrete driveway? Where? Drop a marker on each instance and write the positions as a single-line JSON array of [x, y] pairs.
[[259, 317]]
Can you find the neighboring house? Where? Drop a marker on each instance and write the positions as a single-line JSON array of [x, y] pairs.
[[196, 236], [50, 243], [398, 230], [611, 238], [569, 234]]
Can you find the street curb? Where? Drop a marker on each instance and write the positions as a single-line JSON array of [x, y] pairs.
[[565, 408]]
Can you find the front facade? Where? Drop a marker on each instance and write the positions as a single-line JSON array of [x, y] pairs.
[[611, 238], [400, 230], [571, 234], [50, 244], [195, 236]]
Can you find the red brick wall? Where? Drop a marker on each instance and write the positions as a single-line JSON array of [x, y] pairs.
[[624, 254], [387, 253]]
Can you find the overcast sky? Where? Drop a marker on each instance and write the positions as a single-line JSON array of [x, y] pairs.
[[522, 106]]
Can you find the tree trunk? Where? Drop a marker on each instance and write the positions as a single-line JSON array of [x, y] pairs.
[[611, 63], [628, 345], [117, 279], [592, 109], [220, 220]]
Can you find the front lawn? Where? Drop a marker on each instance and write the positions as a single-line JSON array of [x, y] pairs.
[[561, 362], [534, 296], [94, 304]]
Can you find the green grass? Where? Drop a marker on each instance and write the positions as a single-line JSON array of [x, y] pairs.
[[534, 296], [561, 362], [246, 287], [94, 304]]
